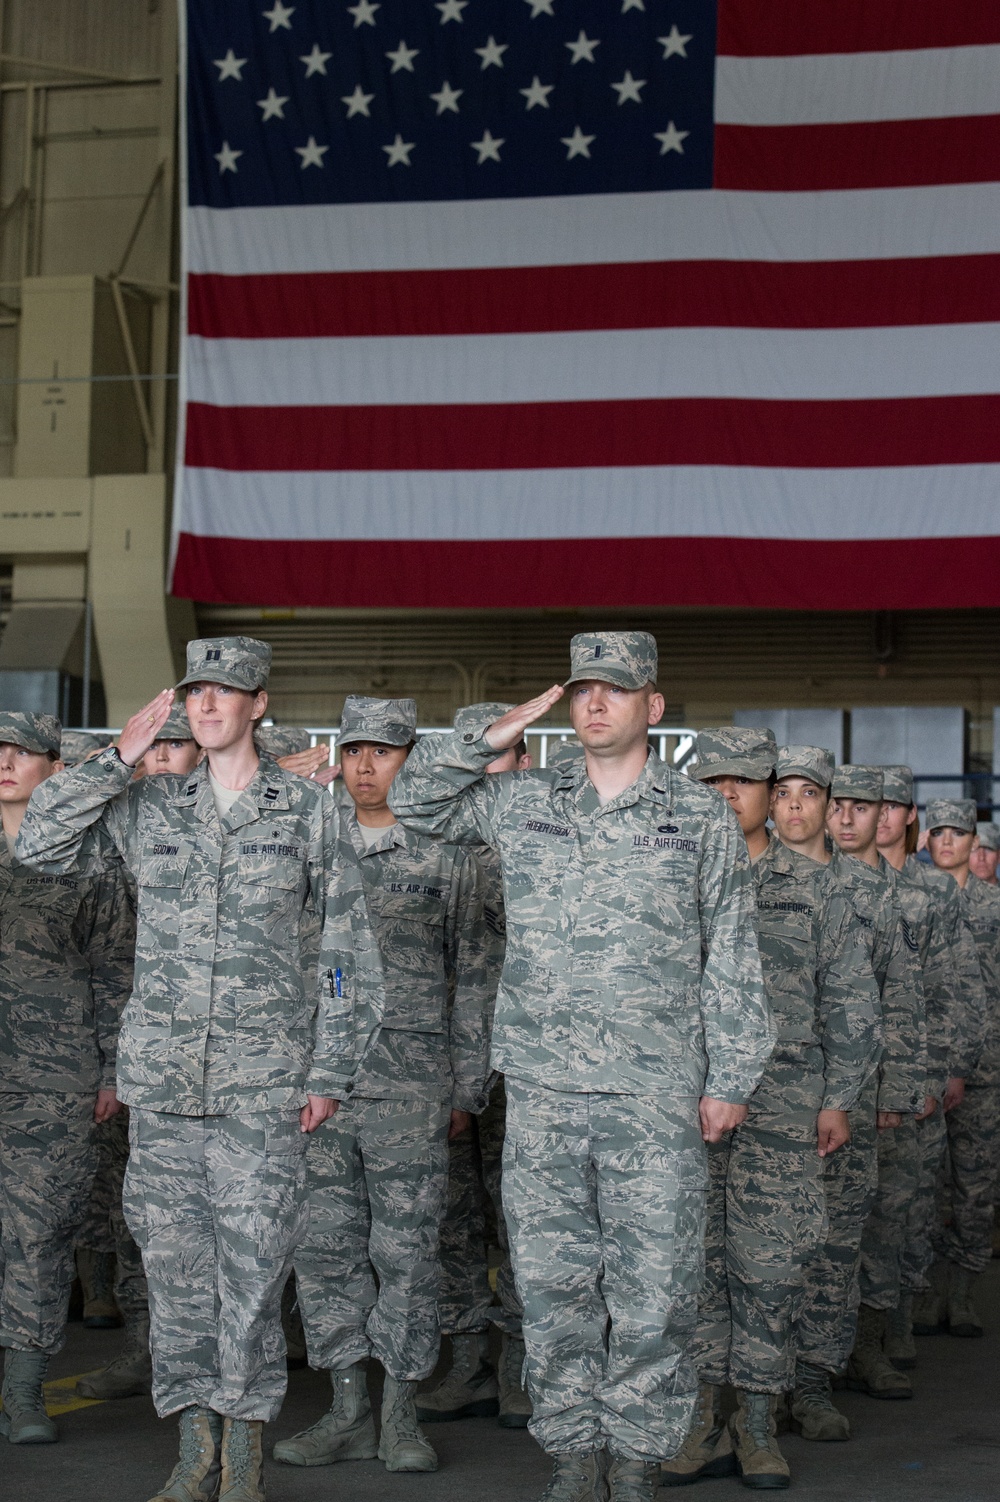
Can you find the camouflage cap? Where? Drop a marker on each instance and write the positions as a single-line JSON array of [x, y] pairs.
[[952, 813], [564, 755], [388, 722], [282, 740], [863, 783], [476, 716], [35, 732], [627, 659], [989, 836], [76, 745], [897, 784], [178, 726], [812, 762], [735, 751], [237, 661]]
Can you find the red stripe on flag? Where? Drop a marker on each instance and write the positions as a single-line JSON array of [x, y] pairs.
[[868, 154], [556, 435], [946, 573], [790, 28], [641, 295]]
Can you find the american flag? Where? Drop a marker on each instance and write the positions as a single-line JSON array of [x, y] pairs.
[[591, 302]]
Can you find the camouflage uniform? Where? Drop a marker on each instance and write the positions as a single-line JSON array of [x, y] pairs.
[[74, 745], [972, 1128], [230, 1023], [828, 1319], [767, 1211], [631, 986], [282, 740], [67, 945], [474, 1215], [377, 1172]]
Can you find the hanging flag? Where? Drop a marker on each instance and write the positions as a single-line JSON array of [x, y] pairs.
[[590, 303]]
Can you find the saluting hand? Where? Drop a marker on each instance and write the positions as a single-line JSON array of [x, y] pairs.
[[143, 728], [510, 728], [308, 762]]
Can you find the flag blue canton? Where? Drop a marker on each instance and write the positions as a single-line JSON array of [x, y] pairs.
[[328, 101]]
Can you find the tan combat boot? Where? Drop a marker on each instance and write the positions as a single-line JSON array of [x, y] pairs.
[[402, 1445], [930, 1308], [515, 1405], [813, 1414], [96, 1271], [468, 1390], [130, 1375], [963, 1318], [898, 1344], [242, 1478], [346, 1432], [761, 1464], [195, 1477], [578, 1478], [708, 1449], [632, 1480], [869, 1370]]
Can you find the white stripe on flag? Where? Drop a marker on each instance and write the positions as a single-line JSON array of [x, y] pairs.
[[680, 501], [587, 229], [601, 365], [835, 88]]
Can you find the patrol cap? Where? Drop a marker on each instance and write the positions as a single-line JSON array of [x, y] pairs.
[[952, 813], [564, 755], [989, 836], [812, 762], [77, 745], [178, 726], [628, 659], [478, 716], [281, 740], [863, 783], [388, 722], [897, 784], [35, 732], [735, 751], [237, 661]]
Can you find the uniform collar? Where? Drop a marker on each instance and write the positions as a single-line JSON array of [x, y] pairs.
[[393, 835], [267, 791], [653, 785]]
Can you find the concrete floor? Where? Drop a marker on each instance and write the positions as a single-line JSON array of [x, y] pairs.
[[945, 1444]]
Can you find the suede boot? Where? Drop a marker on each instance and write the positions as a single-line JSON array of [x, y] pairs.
[[963, 1317], [130, 1375], [402, 1444], [515, 1405], [869, 1370], [195, 1477], [708, 1449], [242, 1478], [632, 1480], [346, 1432], [24, 1420], [468, 1390], [578, 1478], [930, 1308], [813, 1414], [97, 1279], [761, 1464], [898, 1344]]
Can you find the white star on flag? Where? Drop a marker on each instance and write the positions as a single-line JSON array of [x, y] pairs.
[[577, 144], [230, 66], [279, 15], [488, 148], [629, 88], [399, 152], [538, 93], [673, 42], [491, 54], [582, 49], [671, 138], [226, 158], [540, 8], [447, 98], [311, 154], [358, 102], [363, 13], [403, 58], [273, 106], [451, 10], [316, 61]]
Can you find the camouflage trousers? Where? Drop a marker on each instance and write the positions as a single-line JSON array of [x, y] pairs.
[[47, 1162], [367, 1271], [883, 1241], [217, 1207], [475, 1214], [605, 1203], [766, 1219], [104, 1229], [973, 1133], [828, 1316]]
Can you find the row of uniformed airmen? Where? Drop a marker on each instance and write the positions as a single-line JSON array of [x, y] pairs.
[[315, 1107]]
